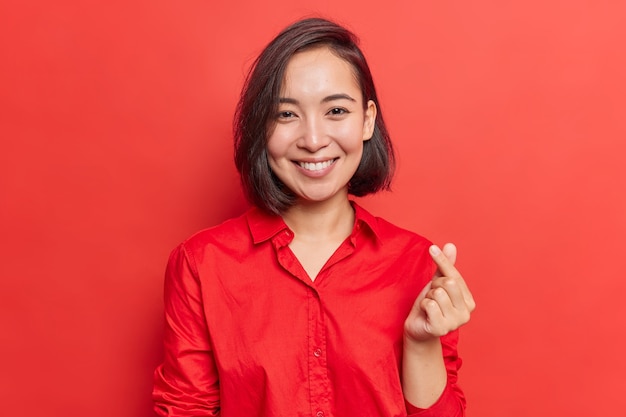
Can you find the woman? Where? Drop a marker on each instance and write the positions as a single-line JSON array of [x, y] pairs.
[[307, 305]]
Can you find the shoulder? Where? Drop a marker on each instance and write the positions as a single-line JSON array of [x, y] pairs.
[[400, 246], [389, 233], [231, 232], [406, 243], [226, 242]]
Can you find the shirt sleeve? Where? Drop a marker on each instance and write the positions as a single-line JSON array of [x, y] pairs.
[[451, 403], [186, 383]]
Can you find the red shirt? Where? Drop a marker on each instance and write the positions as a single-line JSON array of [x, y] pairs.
[[249, 334]]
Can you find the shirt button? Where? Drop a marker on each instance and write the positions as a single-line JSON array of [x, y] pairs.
[[320, 414], [318, 353]]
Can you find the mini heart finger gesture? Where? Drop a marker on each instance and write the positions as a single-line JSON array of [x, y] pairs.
[[445, 303]]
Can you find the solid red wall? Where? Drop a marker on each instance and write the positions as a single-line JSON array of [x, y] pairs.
[[510, 123]]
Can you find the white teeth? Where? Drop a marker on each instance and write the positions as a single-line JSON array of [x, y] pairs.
[[316, 166]]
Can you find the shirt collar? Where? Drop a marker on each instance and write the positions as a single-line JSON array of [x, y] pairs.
[[364, 217], [263, 226]]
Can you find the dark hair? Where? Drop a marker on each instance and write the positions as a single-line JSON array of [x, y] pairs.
[[259, 102]]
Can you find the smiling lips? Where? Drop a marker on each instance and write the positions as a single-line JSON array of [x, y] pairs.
[[316, 166]]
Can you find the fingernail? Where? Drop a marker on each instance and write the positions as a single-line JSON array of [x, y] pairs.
[[434, 250]]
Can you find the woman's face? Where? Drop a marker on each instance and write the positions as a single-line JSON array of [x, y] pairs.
[[317, 142]]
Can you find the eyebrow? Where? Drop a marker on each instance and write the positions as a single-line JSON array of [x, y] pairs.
[[326, 99]]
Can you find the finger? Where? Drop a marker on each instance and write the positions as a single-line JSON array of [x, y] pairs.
[[445, 266], [451, 289], [449, 249], [435, 322], [457, 291], [444, 301]]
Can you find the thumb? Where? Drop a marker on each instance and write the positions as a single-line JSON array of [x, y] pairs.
[[450, 251], [447, 260]]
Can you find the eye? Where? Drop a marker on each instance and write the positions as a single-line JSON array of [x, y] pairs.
[[285, 115], [337, 111]]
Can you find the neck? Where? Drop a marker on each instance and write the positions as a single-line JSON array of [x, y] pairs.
[[320, 220]]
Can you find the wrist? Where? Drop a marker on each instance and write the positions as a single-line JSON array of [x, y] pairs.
[[424, 374], [430, 345]]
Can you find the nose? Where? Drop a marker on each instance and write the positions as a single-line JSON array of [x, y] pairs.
[[314, 135]]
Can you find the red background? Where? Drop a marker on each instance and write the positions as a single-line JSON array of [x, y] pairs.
[[510, 123]]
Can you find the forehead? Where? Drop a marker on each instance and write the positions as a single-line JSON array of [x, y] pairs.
[[316, 69]]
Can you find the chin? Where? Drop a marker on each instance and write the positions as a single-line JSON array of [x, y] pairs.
[[312, 198]]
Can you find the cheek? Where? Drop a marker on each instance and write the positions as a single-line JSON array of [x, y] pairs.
[[272, 149], [350, 135], [277, 143]]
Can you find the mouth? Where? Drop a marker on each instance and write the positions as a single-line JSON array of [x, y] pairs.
[[316, 166]]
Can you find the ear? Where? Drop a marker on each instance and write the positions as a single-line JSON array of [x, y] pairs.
[[369, 120]]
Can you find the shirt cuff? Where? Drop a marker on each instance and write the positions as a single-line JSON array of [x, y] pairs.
[[447, 405]]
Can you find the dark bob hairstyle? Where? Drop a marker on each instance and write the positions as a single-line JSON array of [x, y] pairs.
[[258, 104]]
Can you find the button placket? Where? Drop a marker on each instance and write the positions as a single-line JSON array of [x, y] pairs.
[[319, 385]]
